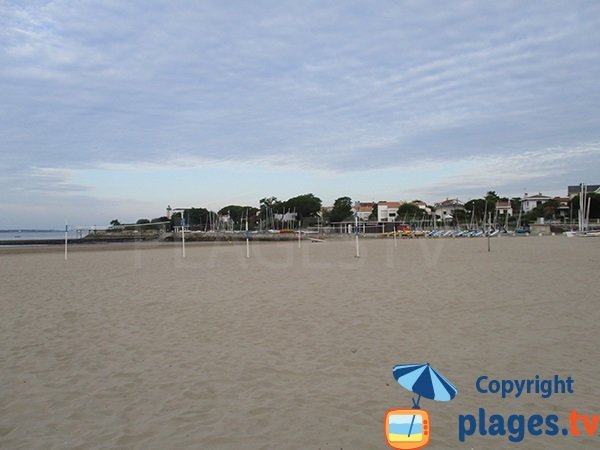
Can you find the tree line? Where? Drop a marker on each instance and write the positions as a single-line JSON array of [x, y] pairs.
[[306, 210]]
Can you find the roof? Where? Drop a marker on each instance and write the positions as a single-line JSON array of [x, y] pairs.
[[365, 207], [574, 190], [503, 205], [449, 202], [535, 197], [391, 204]]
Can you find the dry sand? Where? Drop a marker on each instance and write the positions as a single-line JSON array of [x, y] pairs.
[[137, 348]]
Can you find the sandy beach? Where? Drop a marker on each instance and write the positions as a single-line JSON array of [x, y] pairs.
[[138, 348]]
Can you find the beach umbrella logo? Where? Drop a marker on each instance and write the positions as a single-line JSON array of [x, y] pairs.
[[410, 428]]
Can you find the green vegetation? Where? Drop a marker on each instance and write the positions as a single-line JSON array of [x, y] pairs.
[[373, 215], [237, 214], [306, 206], [515, 204], [409, 212], [153, 224], [342, 210], [475, 207], [547, 210], [594, 205], [483, 205]]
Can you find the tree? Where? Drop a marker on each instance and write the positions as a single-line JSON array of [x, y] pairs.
[[161, 219], [492, 196], [176, 220], [481, 206], [478, 206], [550, 208], [306, 205], [269, 203], [515, 204], [373, 215], [196, 217], [491, 199], [460, 217], [408, 212], [342, 209], [268, 207], [235, 212], [142, 221], [238, 213], [115, 223], [547, 210], [193, 217]]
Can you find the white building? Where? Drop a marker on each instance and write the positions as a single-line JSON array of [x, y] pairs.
[[423, 206], [529, 202], [363, 210], [504, 208], [446, 209], [287, 217], [386, 211]]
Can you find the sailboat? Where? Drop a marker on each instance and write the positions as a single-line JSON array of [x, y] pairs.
[[584, 216], [505, 229], [519, 229]]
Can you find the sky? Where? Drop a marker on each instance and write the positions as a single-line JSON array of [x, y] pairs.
[[114, 110]]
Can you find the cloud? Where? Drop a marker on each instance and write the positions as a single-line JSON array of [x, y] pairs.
[[39, 180], [338, 88], [45, 197], [550, 170], [49, 210]]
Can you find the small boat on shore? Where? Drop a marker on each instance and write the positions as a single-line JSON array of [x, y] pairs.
[[595, 233]]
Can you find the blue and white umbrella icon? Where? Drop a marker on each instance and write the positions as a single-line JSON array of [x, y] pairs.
[[425, 381]]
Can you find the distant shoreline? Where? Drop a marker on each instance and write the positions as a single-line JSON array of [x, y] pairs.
[[113, 238]]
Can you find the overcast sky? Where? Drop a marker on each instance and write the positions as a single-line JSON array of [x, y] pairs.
[[114, 109]]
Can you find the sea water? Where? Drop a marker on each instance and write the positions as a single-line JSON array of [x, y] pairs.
[[37, 235]]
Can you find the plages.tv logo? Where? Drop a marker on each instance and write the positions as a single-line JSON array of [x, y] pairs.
[[410, 428]]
